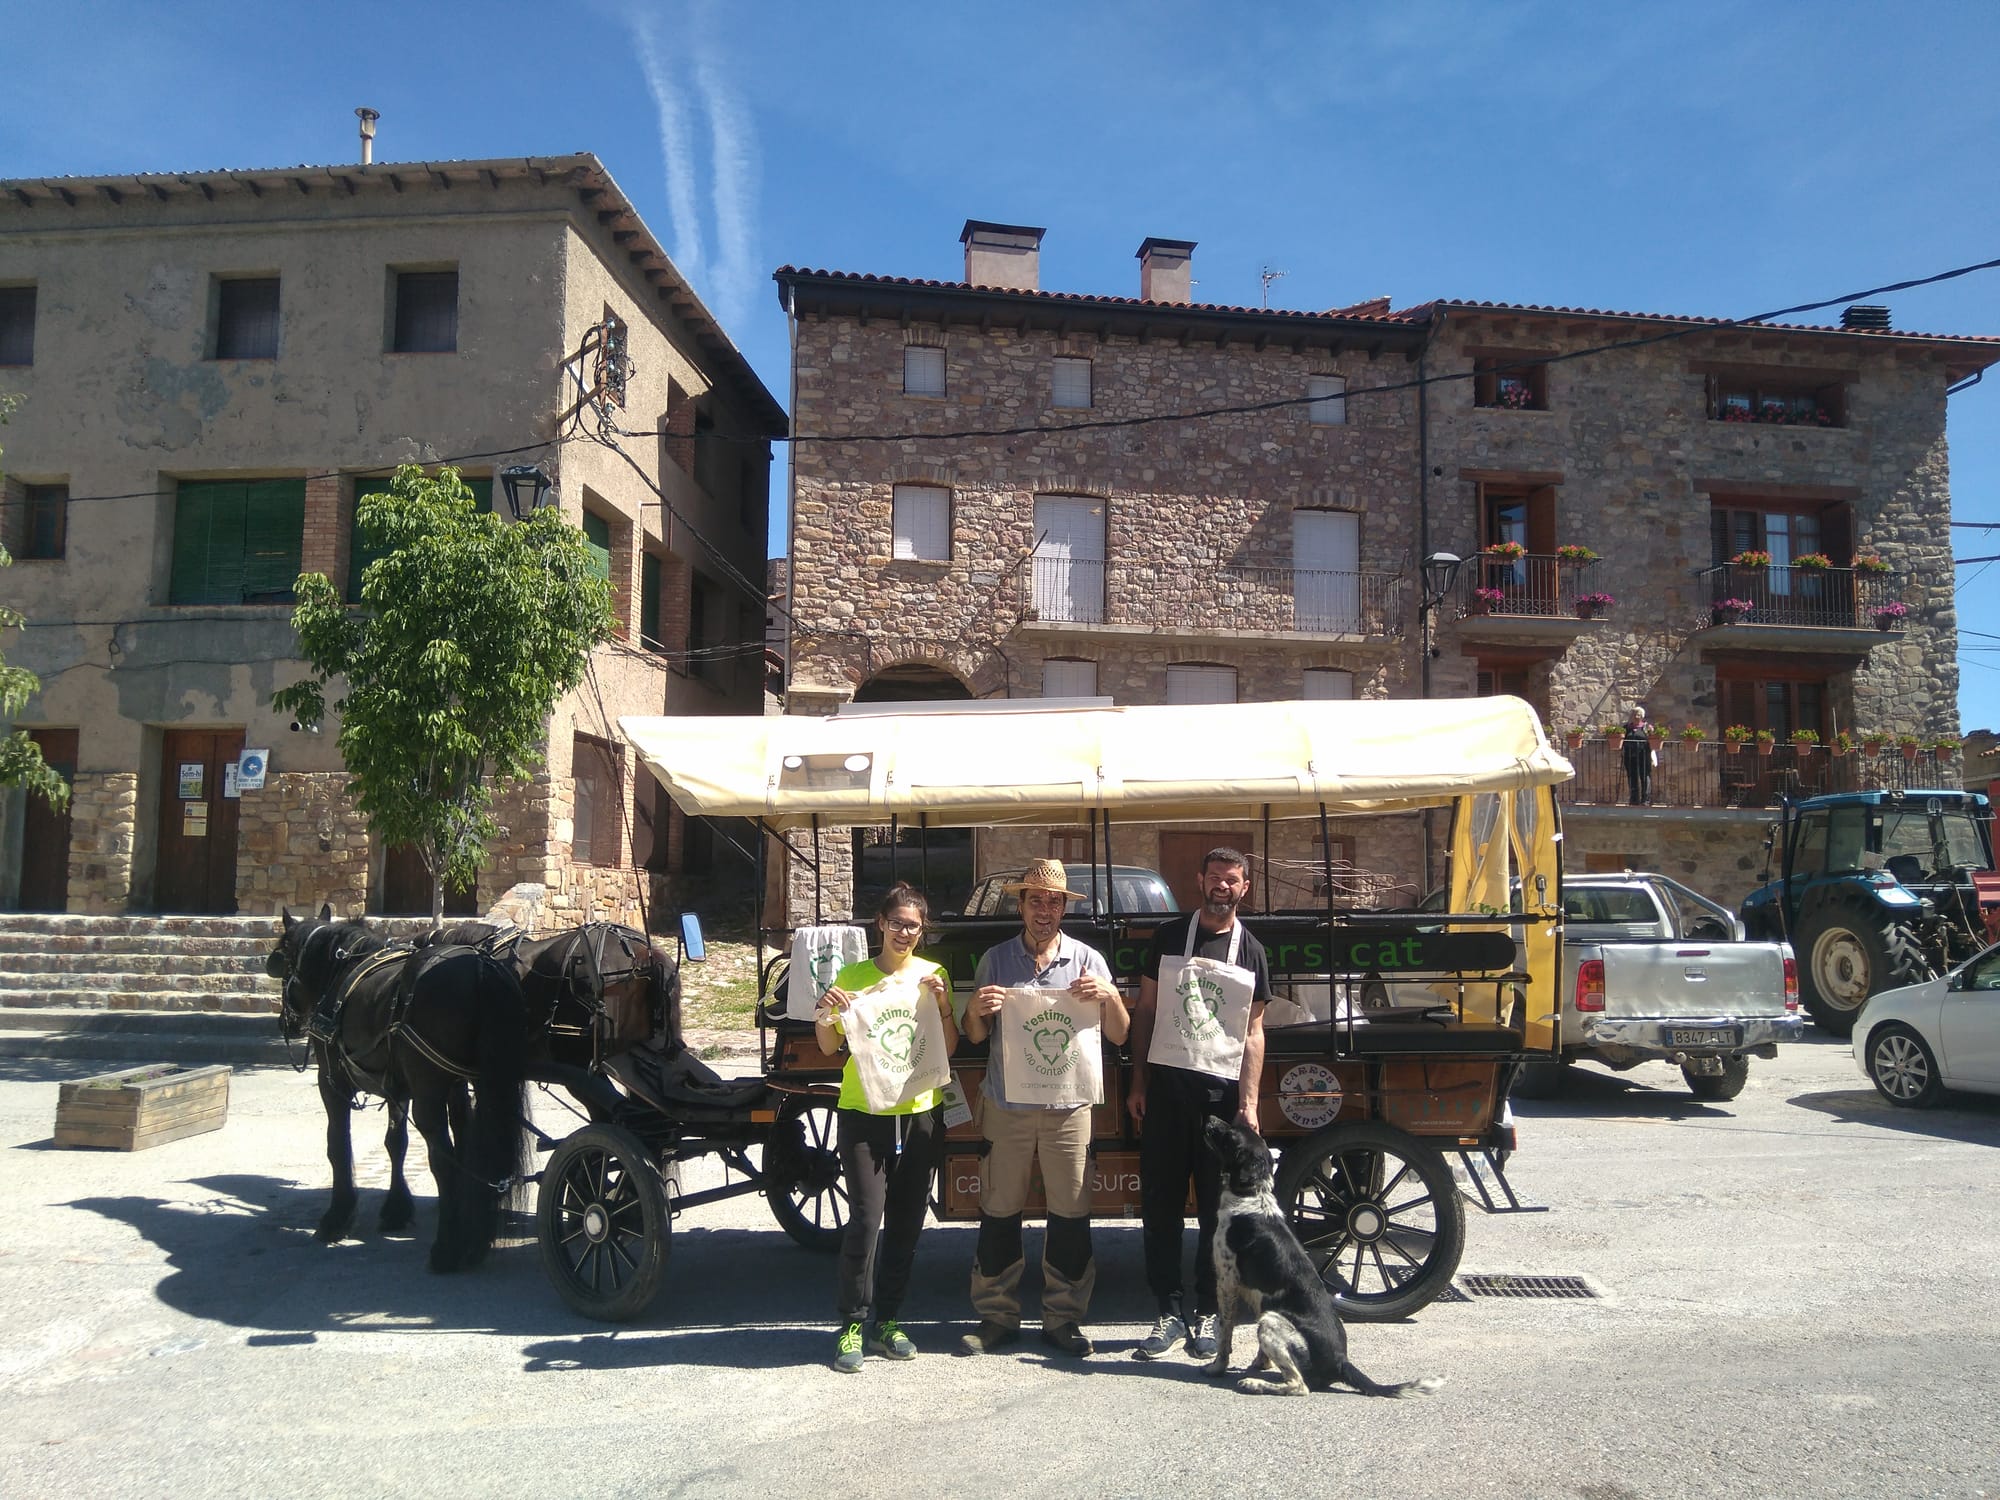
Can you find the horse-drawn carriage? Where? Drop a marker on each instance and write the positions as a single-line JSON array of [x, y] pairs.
[[1405, 1027]]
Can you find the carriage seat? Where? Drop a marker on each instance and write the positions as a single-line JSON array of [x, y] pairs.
[[680, 1079]]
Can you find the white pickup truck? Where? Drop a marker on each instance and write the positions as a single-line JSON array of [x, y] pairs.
[[1653, 972]]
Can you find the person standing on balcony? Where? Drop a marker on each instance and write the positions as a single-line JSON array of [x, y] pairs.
[[1638, 750]]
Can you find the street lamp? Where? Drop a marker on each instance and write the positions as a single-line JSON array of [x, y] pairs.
[[525, 486], [1440, 572]]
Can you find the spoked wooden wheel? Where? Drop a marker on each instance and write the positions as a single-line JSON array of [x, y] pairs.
[[802, 1174], [1377, 1211], [604, 1223]]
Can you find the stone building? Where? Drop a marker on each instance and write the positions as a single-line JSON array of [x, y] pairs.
[[210, 368], [1241, 502]]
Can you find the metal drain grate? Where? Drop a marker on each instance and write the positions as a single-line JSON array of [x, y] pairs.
[[1503, 1285]]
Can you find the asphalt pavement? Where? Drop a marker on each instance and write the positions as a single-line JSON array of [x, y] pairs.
[[1795, 1295]]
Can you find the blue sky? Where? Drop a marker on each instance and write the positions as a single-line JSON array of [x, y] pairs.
[[1719, 159]]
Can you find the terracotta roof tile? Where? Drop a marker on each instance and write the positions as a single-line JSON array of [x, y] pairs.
[[1649, 317]]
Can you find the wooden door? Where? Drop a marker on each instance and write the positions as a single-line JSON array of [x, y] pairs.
[[196, 871], [45, 830], [406, 888], [1181, 850]]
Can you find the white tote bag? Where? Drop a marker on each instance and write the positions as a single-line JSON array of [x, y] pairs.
[[1052, 1050], [818, 954], [897, 1038], [1203, 1011]]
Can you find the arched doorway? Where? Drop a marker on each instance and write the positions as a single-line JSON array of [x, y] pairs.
[[939, 859]]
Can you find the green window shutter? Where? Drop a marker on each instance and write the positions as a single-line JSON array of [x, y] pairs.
[[208, 544], [359, 553], [274, 524], [649, 601], [597, 536], [482, 492]]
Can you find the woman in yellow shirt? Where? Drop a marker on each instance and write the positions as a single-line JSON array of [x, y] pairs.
[[888, 1158]]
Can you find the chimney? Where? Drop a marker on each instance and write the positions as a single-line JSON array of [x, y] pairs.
[[1864, 315], [1002, 255], [1166, 271], [368, 117]]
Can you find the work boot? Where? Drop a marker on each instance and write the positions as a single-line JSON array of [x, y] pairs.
[[989, 1338], [1068, 1338]]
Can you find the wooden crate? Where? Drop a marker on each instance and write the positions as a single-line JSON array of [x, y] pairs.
[[141, 1107]]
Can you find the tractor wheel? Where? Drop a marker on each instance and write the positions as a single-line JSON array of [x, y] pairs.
[[1848, 951]]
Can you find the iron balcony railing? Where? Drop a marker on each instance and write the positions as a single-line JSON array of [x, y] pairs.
[[1829, 598], [1710, 774], [1306, 601], [1537, 585]]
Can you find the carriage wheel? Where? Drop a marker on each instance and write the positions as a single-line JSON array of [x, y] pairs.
[[1377, 1211], [802, 1173], [604, 1223]]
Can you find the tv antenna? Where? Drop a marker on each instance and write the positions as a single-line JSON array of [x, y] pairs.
[[1269, 277]]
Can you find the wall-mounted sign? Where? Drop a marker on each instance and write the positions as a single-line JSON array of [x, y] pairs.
[[194, 820], [250, 768], [191, 778], [230, 790]]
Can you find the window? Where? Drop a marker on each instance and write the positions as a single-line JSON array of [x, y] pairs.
[[922, 523], [1513, 382], [1198, 682], [652, 822], [426, 317], [1067, 677], [246, 318], [1777, 397], [360, 554], [652, 634], [600, 793], [237, 541], [45, 520], [1070, 383], [1067, 581], [1786, 531], [1073, 846], [1328, 407], [597, 538], [923, 371], [1780, 705], [1525, 515], [1327, 684], [17, 325]]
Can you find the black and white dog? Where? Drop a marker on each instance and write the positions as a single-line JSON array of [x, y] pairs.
[[1260, 1262]]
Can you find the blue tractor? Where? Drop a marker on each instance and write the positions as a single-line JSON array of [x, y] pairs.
[[1875, 891]]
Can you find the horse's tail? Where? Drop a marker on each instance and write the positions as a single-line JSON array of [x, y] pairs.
[[499, 1098]]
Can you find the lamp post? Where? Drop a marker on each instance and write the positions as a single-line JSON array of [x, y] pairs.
[[526, 486], [1440, 573]]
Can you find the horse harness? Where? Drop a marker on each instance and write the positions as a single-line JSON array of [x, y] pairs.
[[584, 977]]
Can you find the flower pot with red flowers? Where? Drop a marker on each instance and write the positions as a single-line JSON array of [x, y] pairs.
[[1752, 557], [1615, 733], [1869, 562], [1803, 740], [1813, 562], [1841, 744], [1692, 735], [1488, 601], [1507, 552], [1576, 557], [1909, 744], [1766, 741], [1730, 611], [1734, 738], [1889, 616], [1590, 606]]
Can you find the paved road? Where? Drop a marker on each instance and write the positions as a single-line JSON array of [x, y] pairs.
[[1798, 1297]]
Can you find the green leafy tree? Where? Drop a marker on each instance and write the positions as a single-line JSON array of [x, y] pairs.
[[468, 631], [21, 762]]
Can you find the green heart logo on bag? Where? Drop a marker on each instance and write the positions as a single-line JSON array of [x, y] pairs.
[[1052, 1042], [1052, 1036], [896, 1035], [1201, 1004]]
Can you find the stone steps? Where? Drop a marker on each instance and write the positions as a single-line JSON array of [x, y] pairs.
[[96, 961], [122, 981], [177, 1002]]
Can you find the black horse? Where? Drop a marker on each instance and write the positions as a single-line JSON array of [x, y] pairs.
[[415, 1028]]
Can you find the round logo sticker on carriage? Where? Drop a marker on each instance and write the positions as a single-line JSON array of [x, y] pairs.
[[1051, 1043], [1309, 1095], [1201, 1001]]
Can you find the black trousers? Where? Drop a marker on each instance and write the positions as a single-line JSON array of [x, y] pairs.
[[1639, 772], [889, 1162], [1171, 1151]]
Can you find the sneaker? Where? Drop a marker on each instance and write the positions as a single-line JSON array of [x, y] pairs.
[[1202, 1341], [989, 1337], [847, 1353], [891, 1342], [1070, 1339], [1168, 1330]]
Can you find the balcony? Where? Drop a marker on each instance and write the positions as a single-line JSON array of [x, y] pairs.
[[1221, 602], [1710, 774], [1537, 600], [1811, 609]]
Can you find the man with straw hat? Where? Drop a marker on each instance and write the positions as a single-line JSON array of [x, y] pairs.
[[1043, 956]]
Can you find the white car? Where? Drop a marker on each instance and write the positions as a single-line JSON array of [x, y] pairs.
[[1918, 1041]]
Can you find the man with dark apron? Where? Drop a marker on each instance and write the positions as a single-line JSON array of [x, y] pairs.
[[1197, 1054]]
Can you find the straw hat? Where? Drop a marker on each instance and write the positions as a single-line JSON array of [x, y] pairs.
[[1043, 875]]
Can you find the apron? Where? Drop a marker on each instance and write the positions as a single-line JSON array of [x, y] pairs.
[[1202, 1013]]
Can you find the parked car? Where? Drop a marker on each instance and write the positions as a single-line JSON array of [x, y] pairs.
[[1133, 889], [1916, 1042]]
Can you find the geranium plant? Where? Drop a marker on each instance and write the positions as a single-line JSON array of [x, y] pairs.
[[1515, 395], [1841, 743], [1888, 614], [1731, 609], [1805, 738], [1736, 734], [1816, 562], [1573, 554], [1752, 557], [1869, 562], [1693, 734], [1506, 551], [1945, 745], [1765, 737], [1490, 598]]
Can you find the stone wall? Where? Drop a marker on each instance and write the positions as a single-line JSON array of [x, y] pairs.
[[1719, 852], [103, 811], [300, 842]]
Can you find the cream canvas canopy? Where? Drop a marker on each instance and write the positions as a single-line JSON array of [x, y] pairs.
[[1021, 761]]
